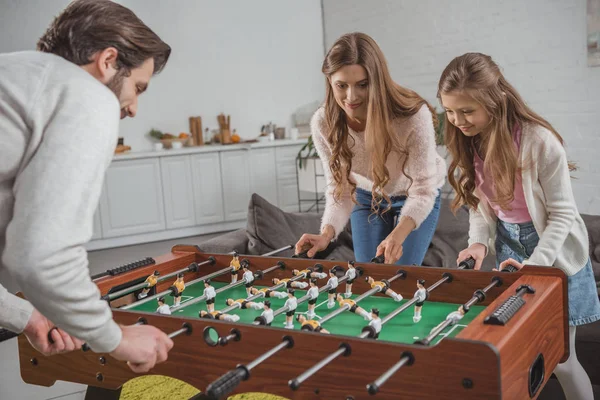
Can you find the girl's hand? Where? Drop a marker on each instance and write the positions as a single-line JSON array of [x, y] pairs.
[[476, 250], [510, 261]]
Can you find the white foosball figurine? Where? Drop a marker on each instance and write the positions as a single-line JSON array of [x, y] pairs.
[[375, 322], [162, 307], [210, 294], [291, 303], [313, 295], [421, 295], [267, 314], [453, 317], [333, 284], [350, 275]]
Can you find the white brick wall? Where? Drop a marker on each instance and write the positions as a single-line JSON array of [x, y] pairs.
[[540, 45]]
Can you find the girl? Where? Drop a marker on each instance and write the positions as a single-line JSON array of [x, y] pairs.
[[376, 141], [510, 168]]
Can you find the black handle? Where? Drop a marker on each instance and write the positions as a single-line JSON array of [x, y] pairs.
[[379, 259], [227, 383], [304, 254], [5, 334], [510, 268], [469, 263]]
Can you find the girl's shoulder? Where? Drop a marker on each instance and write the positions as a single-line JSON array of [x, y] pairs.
[[537, 136]]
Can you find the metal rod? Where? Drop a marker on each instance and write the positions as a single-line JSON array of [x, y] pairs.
[[295, 383], [219, 290], [387, 374], [143, 285], [374, 386], [277, 251], [262, 294], [285, 343], [178, 332], [305, 298], [398, 310], [166, 292], [345, 307]]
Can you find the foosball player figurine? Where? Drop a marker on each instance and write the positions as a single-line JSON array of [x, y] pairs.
[[385, 288], [313, 295], [454, 316], [311, 273], [151, 280], [177, 289], [235, 267], [354, 308], [269, 293], [267, 314], [244, 304], [248, 278], [375, 322], [210, 294], [162, 307], [310, 324], [421, 295], [351, 275], [333, 284], [288, 284], [291, 303], [219, 316]]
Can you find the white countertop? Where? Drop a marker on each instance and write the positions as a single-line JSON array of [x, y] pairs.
[[131, 155]]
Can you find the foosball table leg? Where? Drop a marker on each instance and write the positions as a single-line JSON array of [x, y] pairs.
[[98, 393]]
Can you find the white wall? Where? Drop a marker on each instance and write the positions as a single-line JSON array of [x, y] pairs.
[[540, 44], [256, 60]]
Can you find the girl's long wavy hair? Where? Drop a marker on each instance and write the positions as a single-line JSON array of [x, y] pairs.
[[479, 77], [387, 102]]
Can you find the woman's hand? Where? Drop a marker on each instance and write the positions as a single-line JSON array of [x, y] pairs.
[[314, 243], [476, 250], [391, 247]]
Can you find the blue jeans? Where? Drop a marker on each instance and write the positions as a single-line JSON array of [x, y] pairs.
[[369, 230], [517, 241]]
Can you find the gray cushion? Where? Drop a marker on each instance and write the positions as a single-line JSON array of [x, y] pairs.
[[226, 243], [271, 228], [450, 238]]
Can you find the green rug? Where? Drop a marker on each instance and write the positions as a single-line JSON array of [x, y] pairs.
[[162, 387]]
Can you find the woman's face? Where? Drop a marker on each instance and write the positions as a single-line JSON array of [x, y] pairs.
[[350, 86]]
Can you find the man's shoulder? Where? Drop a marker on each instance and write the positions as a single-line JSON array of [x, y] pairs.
[[64, 80]]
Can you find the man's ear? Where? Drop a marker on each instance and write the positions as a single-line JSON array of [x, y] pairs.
[[105, 62]]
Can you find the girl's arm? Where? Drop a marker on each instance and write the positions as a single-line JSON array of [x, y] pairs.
[[479, 232], [554, 177]]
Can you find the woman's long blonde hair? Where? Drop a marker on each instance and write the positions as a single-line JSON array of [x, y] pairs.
[[478, 76], [388, 101]]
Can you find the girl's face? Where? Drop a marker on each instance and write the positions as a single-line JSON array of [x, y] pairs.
[[350, 86], [465, 113]]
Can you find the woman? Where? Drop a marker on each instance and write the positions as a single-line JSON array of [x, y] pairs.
[[376, 141]]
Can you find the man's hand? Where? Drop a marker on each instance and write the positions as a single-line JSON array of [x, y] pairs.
[[142, 346], [37, 330]]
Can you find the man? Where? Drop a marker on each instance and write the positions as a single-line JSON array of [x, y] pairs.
[[59, 128]]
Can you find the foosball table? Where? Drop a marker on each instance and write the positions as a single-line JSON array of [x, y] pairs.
[[477, 335]]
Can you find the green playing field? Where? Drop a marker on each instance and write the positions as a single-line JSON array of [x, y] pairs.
[[399, 329]]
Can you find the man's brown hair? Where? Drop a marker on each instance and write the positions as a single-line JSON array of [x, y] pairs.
[[86, 27]]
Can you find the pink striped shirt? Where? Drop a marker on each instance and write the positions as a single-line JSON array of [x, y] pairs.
[[518, 213]]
